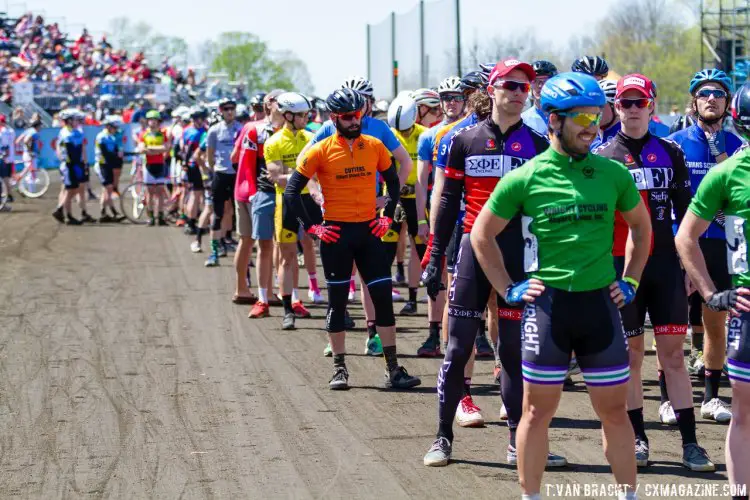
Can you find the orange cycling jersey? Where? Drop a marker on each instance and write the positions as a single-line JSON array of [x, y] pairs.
[[346, 175]]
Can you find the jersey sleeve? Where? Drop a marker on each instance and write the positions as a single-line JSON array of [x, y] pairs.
[[455, 158], [424, 146], [324, 132], [309, 163], [506, 199], [211, 138], [628, 195], [442, 151], [711, 194], [386, 135], [680, 191], [271, 150], [384, 157]]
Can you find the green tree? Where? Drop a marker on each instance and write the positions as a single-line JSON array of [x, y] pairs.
[[243, 56]]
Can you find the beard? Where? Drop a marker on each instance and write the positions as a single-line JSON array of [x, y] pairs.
[[573, 145], [349, 132]]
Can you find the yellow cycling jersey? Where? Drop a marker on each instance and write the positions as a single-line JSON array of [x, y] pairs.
[[410, 145], [285, 146]]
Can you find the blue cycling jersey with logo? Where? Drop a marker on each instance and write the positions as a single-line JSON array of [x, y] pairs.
[[71, 141], [192, 140], [426, 144], [699, 161], [370, 126]]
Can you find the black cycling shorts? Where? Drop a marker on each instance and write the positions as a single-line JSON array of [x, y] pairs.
[[715, 253], [222, 189], [106, 174], [558, 323], [695, 309], [661, 294], [357, 245], [194, 178], [409, 205], [738, 348], [286, 225]]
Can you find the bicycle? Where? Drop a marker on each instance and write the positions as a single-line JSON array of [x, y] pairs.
[[133, 198], [34, 183]]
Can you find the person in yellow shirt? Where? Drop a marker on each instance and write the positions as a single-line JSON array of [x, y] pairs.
[[402, 117], [280, 152]]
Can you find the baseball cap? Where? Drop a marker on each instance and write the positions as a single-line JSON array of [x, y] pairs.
[[635, 81], [507, 65], [3, 118]]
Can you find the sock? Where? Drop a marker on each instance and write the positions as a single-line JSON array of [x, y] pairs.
[[199, 236], [214, 246], [295, 295], [445, 346], [313, 280], [663, 386], [686, 422], [391, 360], [636, 419], [287, 301], [352, 284], [740, 497], [496, 352], [114, 212], [627, 495], [228, 235], [467, 386], [191, 223], [339, 360], [84, 213], [371, 331], [400, 268], [412, 294], [512, 431], [263, 295], [435, 329], [103, 212], [697, 341], [481, 332], [535, 496], [713, 377]]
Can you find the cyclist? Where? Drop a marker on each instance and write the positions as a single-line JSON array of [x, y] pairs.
[[248, 153], [219, 144], [108, 157], [180, 120], [32, 146], [452, 105], [591, 65], [280, 153], [681, 123], [429, 112], [659, 171], [725, 189], [154, 145], [534, 117], [346, 164], [567, 198], [610, 124], [257, 104], [480, 155], [192, 169], [71, 153], [7, 154], [705, 145], [402, 116]]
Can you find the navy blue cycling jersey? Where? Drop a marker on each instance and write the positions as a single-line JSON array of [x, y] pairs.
[[70, 145], [699, 160]]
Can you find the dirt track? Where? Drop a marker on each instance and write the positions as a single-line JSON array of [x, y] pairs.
[[126, 372]]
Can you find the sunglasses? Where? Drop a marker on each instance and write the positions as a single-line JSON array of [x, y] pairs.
[[706, 93], [639, 103], [228, 108], [513, 85], [584, 120], [453, 98], [350, 116]]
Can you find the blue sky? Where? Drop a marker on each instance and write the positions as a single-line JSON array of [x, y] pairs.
[[329, 35]]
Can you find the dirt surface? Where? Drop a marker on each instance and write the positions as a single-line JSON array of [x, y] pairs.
[[126, 372]]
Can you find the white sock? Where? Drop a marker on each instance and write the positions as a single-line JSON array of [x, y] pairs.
[[263, 295], [295, 295], [629, 495], [535, 496]]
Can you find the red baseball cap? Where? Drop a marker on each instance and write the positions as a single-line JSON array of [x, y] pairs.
[[637, 82], [3, 118], [507, 65]]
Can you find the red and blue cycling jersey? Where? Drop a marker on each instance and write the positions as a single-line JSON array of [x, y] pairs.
[[191, 142]]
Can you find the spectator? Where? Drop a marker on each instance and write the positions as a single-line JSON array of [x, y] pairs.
[[18, 119], [127, 114]]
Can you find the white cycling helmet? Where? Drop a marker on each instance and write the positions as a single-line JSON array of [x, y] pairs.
[[293, 102], [402, 113], [452, 85], [609, 87], [426, 97], [360, 84]]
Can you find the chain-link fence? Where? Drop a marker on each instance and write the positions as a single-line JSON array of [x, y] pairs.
[[414, 49]]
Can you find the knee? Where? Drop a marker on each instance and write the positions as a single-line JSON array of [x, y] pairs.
[[382, 301], [672, 360], [614, 414], [538, 415]]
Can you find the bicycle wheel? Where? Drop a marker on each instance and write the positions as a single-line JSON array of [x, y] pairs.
[[34, 184], [3, 198], [133, 202]]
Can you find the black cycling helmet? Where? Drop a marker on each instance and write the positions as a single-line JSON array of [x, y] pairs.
[[198, 112], [345, 100], [224, 101], [741, 110], [682, 122], [544, 68], [475, 80], [257, 99], [591, 65]]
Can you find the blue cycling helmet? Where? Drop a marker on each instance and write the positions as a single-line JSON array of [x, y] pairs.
[[711, 75], [571, 90]]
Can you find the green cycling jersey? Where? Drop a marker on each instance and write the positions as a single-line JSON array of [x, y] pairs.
[[568, 210]]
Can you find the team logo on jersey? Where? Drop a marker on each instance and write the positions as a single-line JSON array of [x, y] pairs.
[[249, 144], [491, 165], [651, 158], [660, 211], [628, 159], [516, 146], [490, 144], [361, 145], [652, 178], [588, 172]]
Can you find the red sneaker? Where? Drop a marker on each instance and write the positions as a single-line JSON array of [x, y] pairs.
[[259, 310], [180, 222], [300, 311]]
